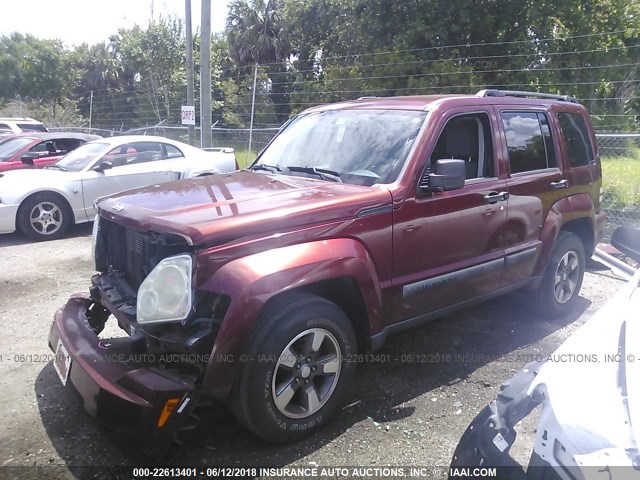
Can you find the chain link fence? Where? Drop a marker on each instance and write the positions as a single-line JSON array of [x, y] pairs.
[[620, 154], [237, 138]]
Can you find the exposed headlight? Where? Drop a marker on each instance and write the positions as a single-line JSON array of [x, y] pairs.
[[94, 240], [165, 295]]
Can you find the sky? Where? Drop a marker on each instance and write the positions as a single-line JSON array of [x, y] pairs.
[[78, 21]]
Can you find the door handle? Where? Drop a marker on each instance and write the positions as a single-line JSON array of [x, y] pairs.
[[495, 197], [560, 184]]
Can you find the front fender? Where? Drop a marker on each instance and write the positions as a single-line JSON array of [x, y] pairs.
[[252, 280]]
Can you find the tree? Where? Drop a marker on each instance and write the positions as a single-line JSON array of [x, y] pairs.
[[256, 36]]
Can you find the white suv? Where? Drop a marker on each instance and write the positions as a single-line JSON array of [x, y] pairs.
[[19, 125]]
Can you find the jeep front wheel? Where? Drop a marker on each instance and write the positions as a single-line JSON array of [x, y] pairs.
[[298, 368], [563, 276]]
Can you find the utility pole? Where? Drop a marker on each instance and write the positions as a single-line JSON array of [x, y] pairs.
[[205, 76], [189, 41], [253, 103], [90, 110]]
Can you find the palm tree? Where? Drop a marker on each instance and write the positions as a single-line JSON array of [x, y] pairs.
[[255, 35]]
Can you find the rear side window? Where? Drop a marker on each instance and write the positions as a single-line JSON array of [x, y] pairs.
[[576, 138], [172, 152], [529, 141], [32, 127]]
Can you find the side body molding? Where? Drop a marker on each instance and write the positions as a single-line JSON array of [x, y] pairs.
[[252, 280]]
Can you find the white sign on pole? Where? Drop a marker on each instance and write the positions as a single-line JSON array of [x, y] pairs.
[[188, 115]]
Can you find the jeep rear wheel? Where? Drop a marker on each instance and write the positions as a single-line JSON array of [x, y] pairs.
[[563, 276], [298, 368]]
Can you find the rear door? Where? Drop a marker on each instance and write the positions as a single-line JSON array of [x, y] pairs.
[[583, 172], [447, 246], [135, 164], [535, 182]]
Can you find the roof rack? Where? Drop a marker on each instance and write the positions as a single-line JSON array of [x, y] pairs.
[[518, 93]]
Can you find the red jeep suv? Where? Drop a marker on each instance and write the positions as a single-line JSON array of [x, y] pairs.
[[264, 287]]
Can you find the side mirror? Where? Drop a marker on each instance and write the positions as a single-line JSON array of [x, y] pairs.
[[447, 174], [103, 165], [27, 158]]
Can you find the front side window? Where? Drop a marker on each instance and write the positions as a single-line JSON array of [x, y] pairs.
[[172, 152], [576, 138], [468, 138], [529, 141], [363, 147], [134, 153]]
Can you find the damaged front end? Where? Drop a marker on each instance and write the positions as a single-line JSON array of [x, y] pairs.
[[145, 384]]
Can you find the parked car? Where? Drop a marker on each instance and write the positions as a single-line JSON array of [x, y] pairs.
[[40, 149], [264, 287], [43, 203], [19, 125], [589, 418]]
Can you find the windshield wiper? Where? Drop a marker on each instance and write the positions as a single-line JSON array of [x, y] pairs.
[[59, 167], [268, 168], [323, 173]]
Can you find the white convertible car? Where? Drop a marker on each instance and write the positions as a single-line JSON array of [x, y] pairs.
[[43, 203]]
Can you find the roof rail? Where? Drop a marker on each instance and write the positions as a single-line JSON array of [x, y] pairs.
[[518, 93], [367, 97]]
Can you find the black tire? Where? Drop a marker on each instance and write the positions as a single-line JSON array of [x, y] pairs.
[[55, 216], [558, 298], [266, 369]]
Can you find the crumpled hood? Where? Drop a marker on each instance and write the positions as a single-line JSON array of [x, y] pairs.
[[219, 208], [582, 380]]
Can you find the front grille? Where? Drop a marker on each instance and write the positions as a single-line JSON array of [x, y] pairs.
[[133, 253]]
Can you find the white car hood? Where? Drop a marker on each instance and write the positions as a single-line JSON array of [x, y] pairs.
[[31, 178], [582, 379]]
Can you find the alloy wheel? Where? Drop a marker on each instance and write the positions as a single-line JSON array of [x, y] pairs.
[[306, 373]]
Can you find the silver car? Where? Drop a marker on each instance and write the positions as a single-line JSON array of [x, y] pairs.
[[43, 203]]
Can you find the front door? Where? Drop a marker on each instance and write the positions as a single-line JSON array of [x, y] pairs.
[[448, 246]]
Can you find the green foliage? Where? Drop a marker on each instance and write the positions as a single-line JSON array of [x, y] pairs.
[[245, 157], [620, 180], [318, 51], [53, 114]]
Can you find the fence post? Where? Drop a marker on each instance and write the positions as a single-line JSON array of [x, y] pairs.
[[253, 104]]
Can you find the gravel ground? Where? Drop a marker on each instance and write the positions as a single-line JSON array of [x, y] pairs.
[[404, 413]]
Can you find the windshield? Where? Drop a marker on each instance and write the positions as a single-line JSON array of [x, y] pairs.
[[82, 156], [362, 146], [12, 146]]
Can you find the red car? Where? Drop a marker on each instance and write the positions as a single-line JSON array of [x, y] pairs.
[[37, 150], [264, 288]]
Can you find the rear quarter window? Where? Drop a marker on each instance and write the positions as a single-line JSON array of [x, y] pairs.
[[32, 127], [576, 138]]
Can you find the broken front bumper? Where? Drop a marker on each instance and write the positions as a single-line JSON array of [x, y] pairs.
[[126, 399], [490, 436]]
